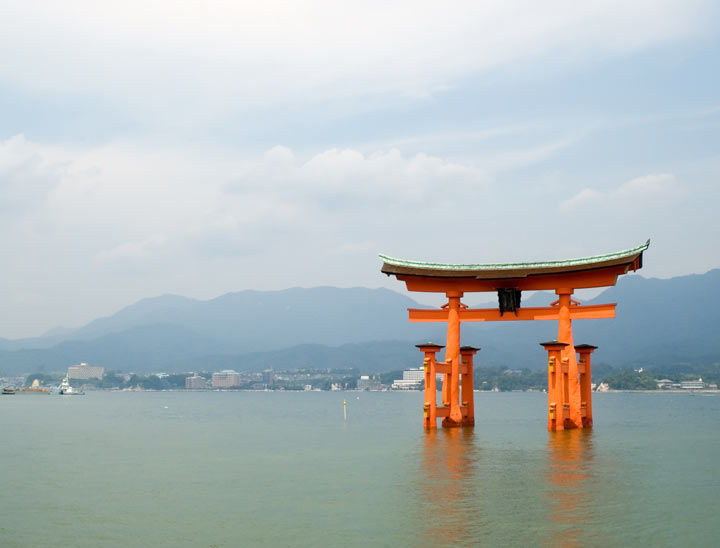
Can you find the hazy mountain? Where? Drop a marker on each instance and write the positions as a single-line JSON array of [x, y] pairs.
[[172, 332], [658, 322]]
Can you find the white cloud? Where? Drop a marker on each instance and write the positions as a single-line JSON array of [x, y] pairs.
[[133, 250], [200, 221], [119, 203], [345, 175], [635, 193], [147, 222], [199, 58], [648, 186], [518, 156], [26, 177]]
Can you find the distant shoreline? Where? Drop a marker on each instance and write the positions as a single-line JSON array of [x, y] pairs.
[[611, 391], [709, 391]]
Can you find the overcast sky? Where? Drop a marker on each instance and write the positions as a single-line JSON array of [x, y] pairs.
[[202, 147]]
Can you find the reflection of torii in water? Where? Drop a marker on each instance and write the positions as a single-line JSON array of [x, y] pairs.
[[570, 467], [447, 482], [569, 404]]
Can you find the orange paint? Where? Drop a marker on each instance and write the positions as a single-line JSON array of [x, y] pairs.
[[571, 383], [577, 312], [467, 396], [569, 379], [578, 280], [572, 395], [451, 395], [430, 400], [569, 391], [556, 385], [585, 369]]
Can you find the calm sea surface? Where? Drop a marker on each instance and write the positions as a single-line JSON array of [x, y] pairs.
[[226, 469]]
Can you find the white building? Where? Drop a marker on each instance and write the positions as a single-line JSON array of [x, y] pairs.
[[84, 371], [365, 382], [195, 382], [664, 383], [226, 379], [412, 379]]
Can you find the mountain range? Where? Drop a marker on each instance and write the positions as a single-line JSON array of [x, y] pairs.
[[658, 322]]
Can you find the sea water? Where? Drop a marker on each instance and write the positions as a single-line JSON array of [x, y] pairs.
[[227, 469]]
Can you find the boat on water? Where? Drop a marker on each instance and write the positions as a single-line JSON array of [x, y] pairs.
[[35, 388], [7, 391], [66, 390]]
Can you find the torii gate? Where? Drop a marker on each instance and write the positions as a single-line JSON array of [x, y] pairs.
[[569, 394]]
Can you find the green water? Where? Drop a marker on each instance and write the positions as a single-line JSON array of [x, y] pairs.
[[226, 469]]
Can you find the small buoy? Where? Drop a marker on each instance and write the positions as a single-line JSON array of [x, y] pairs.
[[165, 407], [357, 398]]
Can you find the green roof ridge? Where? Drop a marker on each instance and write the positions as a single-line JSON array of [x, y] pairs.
[[512, 266]]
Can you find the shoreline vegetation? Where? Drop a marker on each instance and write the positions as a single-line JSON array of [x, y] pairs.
[[681, 378]]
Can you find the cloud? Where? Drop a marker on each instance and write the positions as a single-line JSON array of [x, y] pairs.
[[346, 177], [520, 156], [206, 58], [200, 223], [133, 250], [120, 203], [182, 103], [662, 185], [26, 176], [636, 193]]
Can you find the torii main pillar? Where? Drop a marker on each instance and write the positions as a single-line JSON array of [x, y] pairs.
[[569, 395]]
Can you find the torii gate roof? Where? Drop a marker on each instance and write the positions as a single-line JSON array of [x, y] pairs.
[[512, 274]]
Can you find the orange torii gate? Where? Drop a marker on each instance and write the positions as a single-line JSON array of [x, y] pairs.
[[569, 394]]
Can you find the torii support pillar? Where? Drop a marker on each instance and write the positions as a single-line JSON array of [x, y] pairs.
[[558, 389], [562, 407], [585, 370], [430, 366], [457, 372], [468, 398]]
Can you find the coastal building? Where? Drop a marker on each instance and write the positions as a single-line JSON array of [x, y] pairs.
[[664, 384], [413, 379], [269, 377], [692, 385], [195, 382], [365, 382], [84, 371], [226, 379]]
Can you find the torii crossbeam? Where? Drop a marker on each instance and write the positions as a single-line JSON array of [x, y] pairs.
[[569, 395]]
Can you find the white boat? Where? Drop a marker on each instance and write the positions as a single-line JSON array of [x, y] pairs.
[[66, 390]]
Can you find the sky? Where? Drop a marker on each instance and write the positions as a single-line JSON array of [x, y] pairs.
[[202, 147]]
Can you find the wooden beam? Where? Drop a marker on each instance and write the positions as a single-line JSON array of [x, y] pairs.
[[579, 312], [589, 278], [443, 367], [443, 411]]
